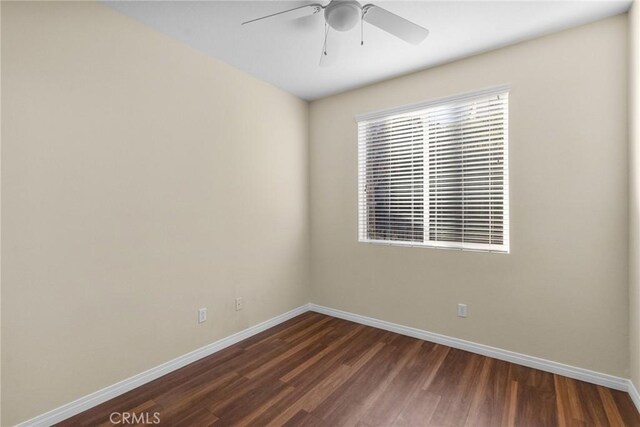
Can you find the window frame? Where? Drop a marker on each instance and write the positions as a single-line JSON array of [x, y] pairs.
[[503, 248]]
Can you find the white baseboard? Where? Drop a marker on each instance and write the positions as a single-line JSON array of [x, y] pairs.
[[485, 350], [633, 393], [100, 396]]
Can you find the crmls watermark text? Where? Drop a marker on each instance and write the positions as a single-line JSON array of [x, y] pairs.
[[133, 418]]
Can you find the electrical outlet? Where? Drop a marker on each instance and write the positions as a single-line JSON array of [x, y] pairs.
[[462, 310], [202, 315], [239, 304]]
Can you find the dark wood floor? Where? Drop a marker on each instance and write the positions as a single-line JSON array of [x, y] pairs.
[[316, 370]]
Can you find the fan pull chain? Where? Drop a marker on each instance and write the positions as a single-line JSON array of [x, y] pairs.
[[324, 46], [362, 29]]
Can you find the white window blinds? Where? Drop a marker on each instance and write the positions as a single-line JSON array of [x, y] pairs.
[[436, 174]]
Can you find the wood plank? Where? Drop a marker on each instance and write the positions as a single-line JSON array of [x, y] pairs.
[[319, 355], [455, 383], [479, 395], [266, 366], [610, 407], [388, 406], [381, 383], [536, 400], [305, 419], [509, 416], [418, 410], [595, 415], [200, 418], [318, 394], [489, 411], [440, 353]]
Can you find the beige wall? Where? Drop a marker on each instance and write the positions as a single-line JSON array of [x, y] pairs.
[[141, 180], [561, 294], [634, 193]]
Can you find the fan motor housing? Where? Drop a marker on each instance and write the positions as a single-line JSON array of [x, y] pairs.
[[343, 15]]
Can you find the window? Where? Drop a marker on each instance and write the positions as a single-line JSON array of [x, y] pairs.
[[436, 174]]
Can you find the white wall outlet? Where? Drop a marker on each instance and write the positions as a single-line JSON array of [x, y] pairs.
[[462, 310], [202, 315], [239, 304]]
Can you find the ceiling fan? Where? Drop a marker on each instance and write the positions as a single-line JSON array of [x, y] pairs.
[[344, 15]]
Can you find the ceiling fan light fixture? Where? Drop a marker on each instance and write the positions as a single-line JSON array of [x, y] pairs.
[[343, 15]]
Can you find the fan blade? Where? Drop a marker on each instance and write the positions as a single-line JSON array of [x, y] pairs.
[[287, 15], [394, 24]]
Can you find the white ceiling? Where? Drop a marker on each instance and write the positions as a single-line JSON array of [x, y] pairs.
[[286, 54]]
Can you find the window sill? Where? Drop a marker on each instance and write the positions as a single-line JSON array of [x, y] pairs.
[[498, 249]]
